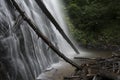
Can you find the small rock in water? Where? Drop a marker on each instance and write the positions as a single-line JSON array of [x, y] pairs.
[[49, 69]]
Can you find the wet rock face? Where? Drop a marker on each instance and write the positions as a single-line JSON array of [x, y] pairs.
[[2, 65], [23, 56], [4, 27], [6, 64], [7, 70]]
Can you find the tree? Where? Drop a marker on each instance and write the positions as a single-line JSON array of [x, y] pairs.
[[95, 20]]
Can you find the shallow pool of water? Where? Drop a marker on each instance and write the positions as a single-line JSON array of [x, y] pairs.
[[59, 70]]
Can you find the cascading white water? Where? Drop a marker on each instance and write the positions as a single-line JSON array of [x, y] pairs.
[[23, 56], [57, 7]]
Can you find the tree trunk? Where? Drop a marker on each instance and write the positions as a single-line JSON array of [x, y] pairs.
[[51, 18], [39, 33]]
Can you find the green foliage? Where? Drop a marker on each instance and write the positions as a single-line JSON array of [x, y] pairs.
[[95, 21]]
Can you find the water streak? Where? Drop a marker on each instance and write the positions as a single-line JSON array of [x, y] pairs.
[[23, 56]]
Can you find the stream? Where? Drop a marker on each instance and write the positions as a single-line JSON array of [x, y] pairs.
[[60, 70]]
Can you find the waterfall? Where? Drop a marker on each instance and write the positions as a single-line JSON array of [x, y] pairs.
[[23, 55], [59, 15]]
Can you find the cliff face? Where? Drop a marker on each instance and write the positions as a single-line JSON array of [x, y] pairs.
[[23, 56]]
